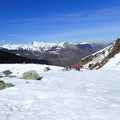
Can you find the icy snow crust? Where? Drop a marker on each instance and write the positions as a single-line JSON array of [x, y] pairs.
[[60, 95]]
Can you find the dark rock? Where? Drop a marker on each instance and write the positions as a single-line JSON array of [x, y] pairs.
[[7, 72], [47, 69], [4, 85], [39, 78]]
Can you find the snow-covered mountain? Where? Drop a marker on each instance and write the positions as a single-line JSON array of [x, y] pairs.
[[45, 46], [57, 53], [104, 58], [34, 46]]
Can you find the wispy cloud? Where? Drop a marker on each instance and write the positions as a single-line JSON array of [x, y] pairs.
[[13, 35], [98, 14], [89, 31], [110, 18], [104, 13]]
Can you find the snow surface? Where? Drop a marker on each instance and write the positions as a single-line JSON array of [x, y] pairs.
[[114, 63], [19, 69], [61, 95]]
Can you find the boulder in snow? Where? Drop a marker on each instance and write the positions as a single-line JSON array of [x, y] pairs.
[[66, 68], [47, 69], [4, 85], [7, 72], [31, 75], [2, 74]]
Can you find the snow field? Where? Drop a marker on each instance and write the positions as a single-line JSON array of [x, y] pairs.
[[60, 95]]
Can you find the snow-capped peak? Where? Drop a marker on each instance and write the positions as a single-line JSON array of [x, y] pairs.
[[47, 44], [34, 46], [83, 43], [38, 46]]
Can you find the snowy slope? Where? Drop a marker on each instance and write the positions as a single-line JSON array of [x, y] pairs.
[[72, 95], [114, 63], [107, 57], [99, 56]]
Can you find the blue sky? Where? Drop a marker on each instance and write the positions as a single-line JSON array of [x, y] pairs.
[[24, 21]]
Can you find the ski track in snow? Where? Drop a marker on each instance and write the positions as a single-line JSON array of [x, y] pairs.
[[60, 95]]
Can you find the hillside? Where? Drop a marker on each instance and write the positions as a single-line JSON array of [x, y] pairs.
[[7, 57], [102, 57]]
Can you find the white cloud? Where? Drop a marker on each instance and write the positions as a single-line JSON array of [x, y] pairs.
[[88, 31], [2, 41], [14, 35]]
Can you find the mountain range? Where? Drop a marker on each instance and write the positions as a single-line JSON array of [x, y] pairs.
[[56, 53]]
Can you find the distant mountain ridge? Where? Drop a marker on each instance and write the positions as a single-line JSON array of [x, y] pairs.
[[34, 46], [43, 46], [57, 53]]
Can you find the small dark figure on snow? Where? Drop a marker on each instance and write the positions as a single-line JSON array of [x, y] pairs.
[[77, 67]]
